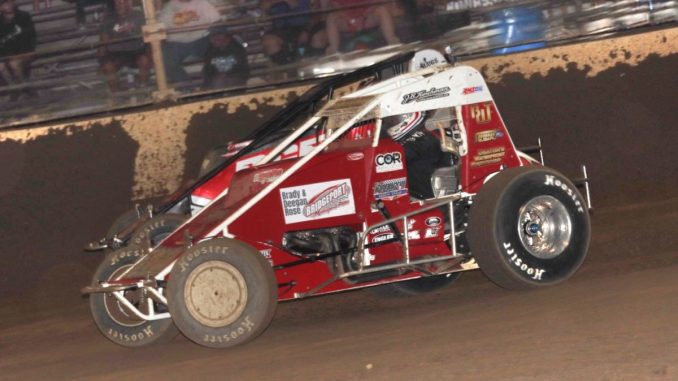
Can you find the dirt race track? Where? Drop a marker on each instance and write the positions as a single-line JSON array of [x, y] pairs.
[[614, 320]]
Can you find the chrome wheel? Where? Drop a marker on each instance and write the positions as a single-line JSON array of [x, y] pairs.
[[216, 294], [544, 227]]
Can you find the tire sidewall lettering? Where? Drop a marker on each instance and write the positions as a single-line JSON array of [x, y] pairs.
[[524, 264], [132, 336]]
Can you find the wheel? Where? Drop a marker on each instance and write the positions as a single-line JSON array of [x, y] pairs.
[[416, 286], [222, 293], [150, 233], [212, 159], [120, 223], [529, 226], [115, 320]]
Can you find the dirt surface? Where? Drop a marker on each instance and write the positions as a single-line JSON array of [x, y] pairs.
[[614, 320]]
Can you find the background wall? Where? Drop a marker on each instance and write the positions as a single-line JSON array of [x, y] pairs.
[[610, 104]]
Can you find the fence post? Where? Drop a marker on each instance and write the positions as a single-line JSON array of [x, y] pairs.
[[154, 34]]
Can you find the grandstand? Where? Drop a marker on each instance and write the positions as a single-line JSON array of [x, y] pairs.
[[65, 72]]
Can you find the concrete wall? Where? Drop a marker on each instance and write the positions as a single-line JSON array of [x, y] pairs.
[[609, 103]]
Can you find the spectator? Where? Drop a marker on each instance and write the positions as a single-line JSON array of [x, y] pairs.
[[283, 48], [225, 63], [125, 24], [292, 37], [17, 37], [80, 14], [181, 45], [358, 20]]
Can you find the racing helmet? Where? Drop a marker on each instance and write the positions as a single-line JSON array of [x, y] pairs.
[[398, 127]]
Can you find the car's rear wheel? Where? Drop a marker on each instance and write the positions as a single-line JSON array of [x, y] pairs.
[[222, 293], [114, 319], [119, 224], [149, 234], [529, 227]]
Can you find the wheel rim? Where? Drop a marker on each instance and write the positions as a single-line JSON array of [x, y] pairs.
[[544, 227], [216, 293], [117, 311]]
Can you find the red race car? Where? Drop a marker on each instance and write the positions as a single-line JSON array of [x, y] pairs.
[[401, 185]]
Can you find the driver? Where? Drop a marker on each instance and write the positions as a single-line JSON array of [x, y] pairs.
[[423, 154]]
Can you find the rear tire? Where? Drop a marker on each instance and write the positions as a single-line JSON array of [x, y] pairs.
[[529, 227], [113, 319], [222, 293], [120, 223], [149, 234]]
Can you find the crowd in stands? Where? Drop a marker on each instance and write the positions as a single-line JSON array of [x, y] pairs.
[[199, 31], [210, 34]]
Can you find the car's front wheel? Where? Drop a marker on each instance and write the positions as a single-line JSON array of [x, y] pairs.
[[222, 293], [529, 226]]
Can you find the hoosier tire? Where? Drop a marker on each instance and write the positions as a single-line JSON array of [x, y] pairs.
[[150, 233], [529, 227], [222, 293], [120, 223], [113, 319]]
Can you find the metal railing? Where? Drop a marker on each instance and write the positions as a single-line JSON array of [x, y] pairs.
[[65, 79]]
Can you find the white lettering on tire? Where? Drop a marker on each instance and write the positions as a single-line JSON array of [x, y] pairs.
[[534, 273], [553, 181], [245, 326]]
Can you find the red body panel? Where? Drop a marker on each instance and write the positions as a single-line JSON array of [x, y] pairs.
[[489, 145], [338, 187]]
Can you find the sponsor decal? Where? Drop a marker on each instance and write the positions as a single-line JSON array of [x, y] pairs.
[[426, 95], [388, 162], [534, 273], [488, 136], [414, 235], [431, 232], [555, 182], [381, 229], [267, 175], [482, 114], [316, 201], [488, 156], [471, 90], [428, 62], [382, 237], [433, 221], [390, 189], [353, 156]]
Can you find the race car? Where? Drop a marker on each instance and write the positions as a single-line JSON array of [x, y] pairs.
[[402, 184]]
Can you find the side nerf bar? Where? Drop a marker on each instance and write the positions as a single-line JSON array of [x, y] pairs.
[[583, 182]]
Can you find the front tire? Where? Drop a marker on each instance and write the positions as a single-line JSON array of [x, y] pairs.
[[117, 322], [222, 293], [529, 227]]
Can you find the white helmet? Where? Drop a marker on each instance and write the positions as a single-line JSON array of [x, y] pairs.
[[399, 126]]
